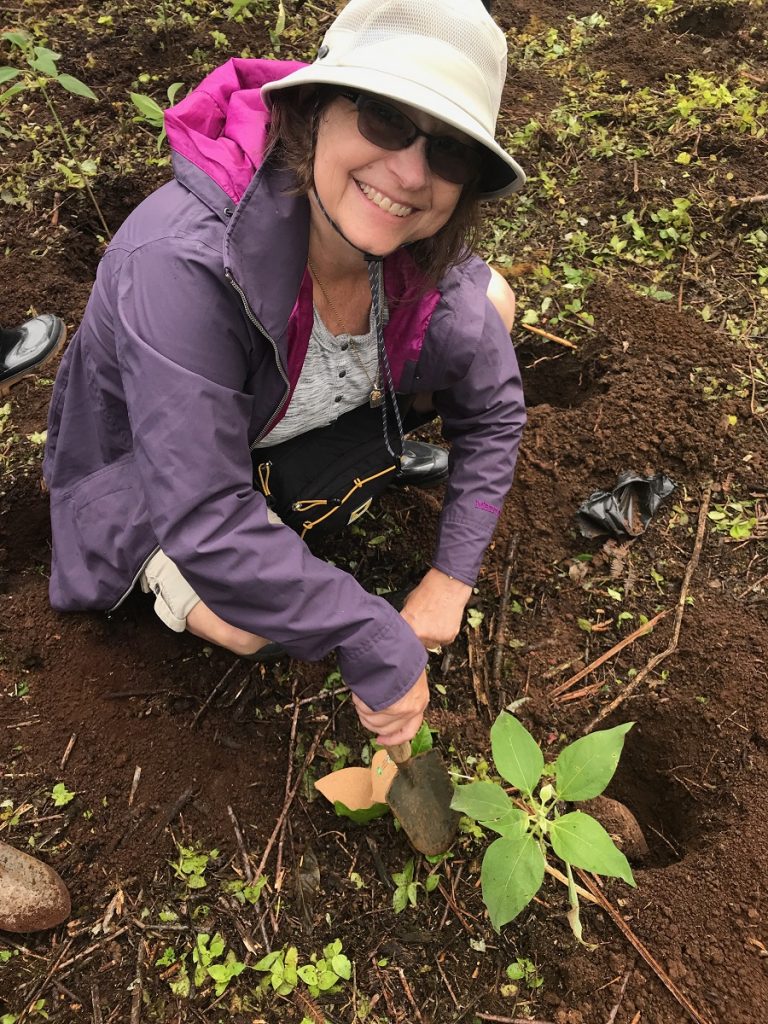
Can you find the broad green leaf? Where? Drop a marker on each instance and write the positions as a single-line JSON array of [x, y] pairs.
[[422, 740], [585, 767], [516, 753], [266, 962], [583, 842], [19, 39], [400, 899], [6, 74], [487, 803], [44, 61], [363, 816], [172, 90], [17, 87], [511, 875], [75, 86], [148, 108], [308, 974], [342, 966]]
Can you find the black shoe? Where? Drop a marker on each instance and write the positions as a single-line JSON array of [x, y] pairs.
[[24, 349], [422, 465], [267, 654]]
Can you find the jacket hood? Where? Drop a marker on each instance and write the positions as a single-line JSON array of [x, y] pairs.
[[221, 126]]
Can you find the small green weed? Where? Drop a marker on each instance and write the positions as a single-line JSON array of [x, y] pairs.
[[407, 887], [191, 865], [736, 519]]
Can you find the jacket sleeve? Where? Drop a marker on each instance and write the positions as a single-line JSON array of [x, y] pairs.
[[183, 360], [483, 414]]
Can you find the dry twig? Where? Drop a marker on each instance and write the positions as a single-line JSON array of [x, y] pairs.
[[247, 870], [549, 337], [97, 1017], [134, 785], [501, 620], [644, 952], [409, 994], [170, 813], [633, 685], [509, 1020], [138, 984], [289, 800], [615, 1010], [560, 689], [55, 966], [288, 778], [68, 751], [214, 693]]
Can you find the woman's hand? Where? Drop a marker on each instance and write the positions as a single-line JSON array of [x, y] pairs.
[[434, 609], [401, 720]]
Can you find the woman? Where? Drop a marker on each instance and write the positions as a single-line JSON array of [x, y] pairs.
[[315, 234]]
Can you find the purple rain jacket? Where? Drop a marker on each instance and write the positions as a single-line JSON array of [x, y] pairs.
[[191, 343]]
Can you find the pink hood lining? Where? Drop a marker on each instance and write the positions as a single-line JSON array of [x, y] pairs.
[[221, 126]]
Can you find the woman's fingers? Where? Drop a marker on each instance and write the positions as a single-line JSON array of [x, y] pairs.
[[401, 720]]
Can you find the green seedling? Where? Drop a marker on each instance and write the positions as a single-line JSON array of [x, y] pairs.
[[191, 866], [244, 893], [736, 519], [523, 972], [407, 887], [61, 796], [513, 865], [210, 962], [321, 974], [150, 111], [41, 72]]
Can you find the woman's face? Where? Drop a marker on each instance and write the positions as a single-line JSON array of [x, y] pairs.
[[380, 199]]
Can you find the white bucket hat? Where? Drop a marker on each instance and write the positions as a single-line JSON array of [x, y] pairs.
[[447, 58]]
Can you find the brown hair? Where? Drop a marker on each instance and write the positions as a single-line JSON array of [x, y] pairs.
[[291, 142]]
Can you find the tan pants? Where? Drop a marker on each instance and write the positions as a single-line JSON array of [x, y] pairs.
[[174, 597]]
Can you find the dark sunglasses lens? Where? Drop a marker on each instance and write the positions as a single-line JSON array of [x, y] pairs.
[[384, 125], [453, 160]]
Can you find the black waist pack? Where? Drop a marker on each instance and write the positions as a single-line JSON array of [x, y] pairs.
[[322, 481]]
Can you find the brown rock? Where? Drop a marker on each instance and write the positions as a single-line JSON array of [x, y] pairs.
[[622, 825], [32, 895]]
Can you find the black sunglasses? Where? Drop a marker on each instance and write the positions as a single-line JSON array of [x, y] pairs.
[[386, 126]]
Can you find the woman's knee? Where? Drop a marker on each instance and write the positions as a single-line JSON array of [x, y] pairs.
[[502, 297]]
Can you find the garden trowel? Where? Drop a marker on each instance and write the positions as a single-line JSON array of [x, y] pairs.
[[32, 895], [420, 798]]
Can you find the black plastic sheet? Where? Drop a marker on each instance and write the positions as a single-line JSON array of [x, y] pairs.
[[627, 509]]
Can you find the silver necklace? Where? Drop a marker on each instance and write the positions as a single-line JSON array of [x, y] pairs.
[[376, 394]]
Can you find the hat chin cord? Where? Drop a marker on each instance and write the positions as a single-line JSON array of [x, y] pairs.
[[367, 256], [375, 274]]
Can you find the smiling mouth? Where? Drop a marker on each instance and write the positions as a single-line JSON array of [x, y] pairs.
[[384, 202]]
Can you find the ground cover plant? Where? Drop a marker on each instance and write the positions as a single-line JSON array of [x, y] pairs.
[[188, 829]]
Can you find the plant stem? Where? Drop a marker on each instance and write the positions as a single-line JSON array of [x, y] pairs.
[[71, 152]]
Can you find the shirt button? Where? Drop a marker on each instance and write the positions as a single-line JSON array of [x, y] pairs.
[[337, 398], [342, 373], [345, 346]]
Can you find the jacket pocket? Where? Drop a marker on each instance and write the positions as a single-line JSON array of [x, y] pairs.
[[101, 536]]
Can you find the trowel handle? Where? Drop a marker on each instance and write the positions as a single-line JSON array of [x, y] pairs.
[[401, 752]]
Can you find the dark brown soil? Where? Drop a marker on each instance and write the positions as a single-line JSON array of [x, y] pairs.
[[695, 768]]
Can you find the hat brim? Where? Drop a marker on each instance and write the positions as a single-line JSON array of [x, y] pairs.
[[502, 175]]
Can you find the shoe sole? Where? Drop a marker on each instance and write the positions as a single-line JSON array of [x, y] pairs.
[[6, 386], [425, 484]]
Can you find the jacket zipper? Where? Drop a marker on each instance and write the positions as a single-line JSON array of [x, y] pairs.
[[252, 317]]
